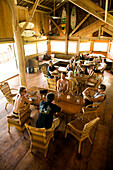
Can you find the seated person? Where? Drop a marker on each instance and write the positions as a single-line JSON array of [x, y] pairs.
[[74, 59], [71, 77], [98, 97], [81, 57], [21, 100], [46, 111], [51, 69], [70, 66], [80, 69], [98, 59], [63, 84]]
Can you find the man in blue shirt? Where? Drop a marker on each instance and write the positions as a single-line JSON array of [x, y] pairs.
[[46, 111], [51, 69]]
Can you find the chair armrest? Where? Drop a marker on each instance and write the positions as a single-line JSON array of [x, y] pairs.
[[75, 128], [93, 105], [14, 118], [13, 89]]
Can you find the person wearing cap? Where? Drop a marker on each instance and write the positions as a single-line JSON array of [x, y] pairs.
[[63, 83], [21, 100], [98, 97], [46, 110], [51, 69]]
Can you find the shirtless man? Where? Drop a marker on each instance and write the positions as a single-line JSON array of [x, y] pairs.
[[98, 97], [63, 84], [21, 100]]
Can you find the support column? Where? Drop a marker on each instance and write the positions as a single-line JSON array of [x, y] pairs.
[[19, 43], [67, 28]]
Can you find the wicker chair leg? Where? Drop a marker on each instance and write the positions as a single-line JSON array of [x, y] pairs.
[[8, 127], [65, 133], [45, 154], [79, 147], [6, 106], [31, 148]]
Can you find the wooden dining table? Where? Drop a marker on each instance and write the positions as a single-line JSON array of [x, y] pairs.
[[70, 104]]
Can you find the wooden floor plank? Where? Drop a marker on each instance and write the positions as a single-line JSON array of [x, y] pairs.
[[98, 157], [62, 153]]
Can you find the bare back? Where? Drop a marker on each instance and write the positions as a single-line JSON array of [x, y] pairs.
[[19, 103]]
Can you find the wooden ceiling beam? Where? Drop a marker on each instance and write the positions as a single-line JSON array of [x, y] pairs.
[[31, 14], [58, 6], [106, 10], [21, 7], [108, 31], [89, 29], [96, 38], [93, 9], [56, 25], [31, 2], [85, 18]]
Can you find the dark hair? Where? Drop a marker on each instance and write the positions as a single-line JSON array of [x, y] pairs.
[[102, 86], [50, 61], [50, 97], [21, 89], [64, 73]]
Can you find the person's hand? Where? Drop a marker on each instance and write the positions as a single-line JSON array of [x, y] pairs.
[[28, 96]]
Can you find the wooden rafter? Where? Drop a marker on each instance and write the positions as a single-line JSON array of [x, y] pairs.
[[108, 31], [106, 9], [80, 24], [89, 29], [93, 9], [21, 7], [31, 2], [56, 25], [31, 14], [57, 7]]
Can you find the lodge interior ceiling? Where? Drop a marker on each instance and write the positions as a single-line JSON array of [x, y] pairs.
[[101, 10]]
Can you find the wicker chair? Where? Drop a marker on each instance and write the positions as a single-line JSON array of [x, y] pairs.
[[39, 138], [6, 90], [52, 84], [93, 110], [80, 129], [72, 88], [23, 117]]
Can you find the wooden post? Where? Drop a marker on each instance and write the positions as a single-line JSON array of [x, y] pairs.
[[18, 42], [67, 28], [78, 46], [106, 9]]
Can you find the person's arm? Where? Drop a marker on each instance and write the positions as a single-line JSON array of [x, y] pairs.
[[76, 82], [67, 89], [27, 100], [58, 85], [98, 99], [88, 89]]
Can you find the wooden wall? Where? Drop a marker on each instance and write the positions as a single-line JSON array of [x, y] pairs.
[[6, 30]]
